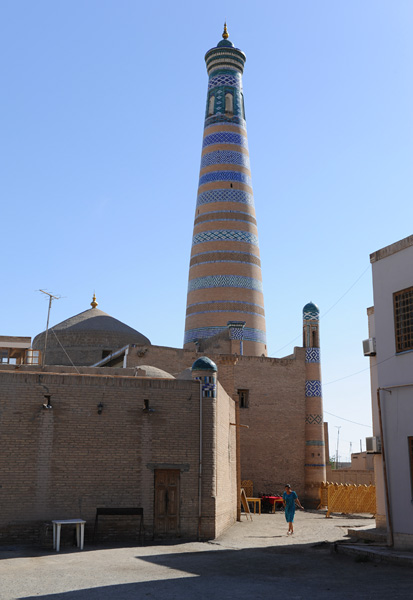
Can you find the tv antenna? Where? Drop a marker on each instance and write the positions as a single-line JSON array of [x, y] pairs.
[[51, 298]]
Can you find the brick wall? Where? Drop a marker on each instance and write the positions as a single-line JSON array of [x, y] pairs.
[[65, 462], [273, 448], [226, 483]]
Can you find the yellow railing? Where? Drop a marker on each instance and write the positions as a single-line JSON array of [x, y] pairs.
[[346, 498]]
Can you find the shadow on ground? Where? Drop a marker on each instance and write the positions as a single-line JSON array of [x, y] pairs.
[[296, 571]]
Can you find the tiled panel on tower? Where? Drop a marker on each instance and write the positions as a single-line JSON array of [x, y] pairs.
[[225, 283]]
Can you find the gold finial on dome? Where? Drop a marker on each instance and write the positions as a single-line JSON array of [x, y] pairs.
[[94, 304], [225, 34]]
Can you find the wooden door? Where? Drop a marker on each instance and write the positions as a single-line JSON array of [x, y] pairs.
[[166, 503]]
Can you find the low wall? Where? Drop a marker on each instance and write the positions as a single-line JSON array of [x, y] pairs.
[[350, 476]]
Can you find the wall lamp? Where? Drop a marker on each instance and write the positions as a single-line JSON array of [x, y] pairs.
[[100, 408], [47, 404], [147, 408]]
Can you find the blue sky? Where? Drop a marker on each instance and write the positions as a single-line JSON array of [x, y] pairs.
[[101, 124]]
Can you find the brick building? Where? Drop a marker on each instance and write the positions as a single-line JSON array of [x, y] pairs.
[[77, 439]]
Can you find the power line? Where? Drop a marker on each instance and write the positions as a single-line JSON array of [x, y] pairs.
[[322, 315], [357, 372], [345, 293], [343, 419]]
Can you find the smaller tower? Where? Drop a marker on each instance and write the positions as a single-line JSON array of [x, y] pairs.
[[315, 464], [205, 370]]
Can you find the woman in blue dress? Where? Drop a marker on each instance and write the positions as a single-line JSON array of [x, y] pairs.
[[290, 499]]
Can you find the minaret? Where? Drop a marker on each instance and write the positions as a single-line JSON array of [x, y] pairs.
[[315, 467], [225, 284]]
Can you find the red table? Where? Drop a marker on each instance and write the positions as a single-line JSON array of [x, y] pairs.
[[274, 501]]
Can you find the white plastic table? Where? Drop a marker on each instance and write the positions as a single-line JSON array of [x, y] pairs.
[[80, 532]]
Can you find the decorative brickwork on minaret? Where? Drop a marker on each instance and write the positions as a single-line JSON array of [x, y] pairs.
[[315, 467], [225, 281]]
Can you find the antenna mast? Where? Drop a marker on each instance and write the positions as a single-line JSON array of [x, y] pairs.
[[51, 298]]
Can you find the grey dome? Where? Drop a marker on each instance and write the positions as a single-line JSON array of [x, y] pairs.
[[87, 338], [152, 372]]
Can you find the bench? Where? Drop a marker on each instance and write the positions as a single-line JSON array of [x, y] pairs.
[[104, 511]]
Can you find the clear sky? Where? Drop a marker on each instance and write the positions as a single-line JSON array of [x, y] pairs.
[[101, 121]]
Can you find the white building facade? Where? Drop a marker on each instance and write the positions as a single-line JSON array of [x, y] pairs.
[[391, 362]]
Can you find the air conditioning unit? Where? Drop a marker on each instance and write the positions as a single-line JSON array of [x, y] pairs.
[[369, 347], [373, 445]]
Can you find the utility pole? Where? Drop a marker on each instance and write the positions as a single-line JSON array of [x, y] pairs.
[[338, 438], [51, 298]]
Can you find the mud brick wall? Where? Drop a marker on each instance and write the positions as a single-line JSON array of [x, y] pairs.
[[66, 461]]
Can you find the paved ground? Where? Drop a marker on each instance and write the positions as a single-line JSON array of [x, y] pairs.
[[252, 560]]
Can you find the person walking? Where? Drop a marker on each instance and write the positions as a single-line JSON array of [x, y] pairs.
[[290, 499]]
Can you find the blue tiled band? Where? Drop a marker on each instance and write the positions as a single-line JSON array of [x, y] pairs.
[[225, 176], [225, 137], [312, 355], [225, 157], [250, 334], [225, 235], [213, 281], [314, 419], [225, 196], [233, 80], [313, 389]]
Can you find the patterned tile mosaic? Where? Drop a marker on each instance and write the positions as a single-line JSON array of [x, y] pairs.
[[236, 333], [226, 195], [225, 235], [213, 281], [313, 389], [311, 312], [225, 137], [314, 419], [225, 157], [250, 334], [312, 355], [233, 79], [225, 176]]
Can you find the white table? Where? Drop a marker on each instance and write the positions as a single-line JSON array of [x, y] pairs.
[[80, 532]]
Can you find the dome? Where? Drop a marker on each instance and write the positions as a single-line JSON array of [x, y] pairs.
[[153, 372], [97, 320], [204, 364], [311, 312], [226, 43], [87, 338]]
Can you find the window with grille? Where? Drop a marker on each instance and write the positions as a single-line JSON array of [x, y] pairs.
[[403, 319], [243, 398]]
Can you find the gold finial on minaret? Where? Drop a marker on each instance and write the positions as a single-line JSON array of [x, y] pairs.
[[225, 34], [94, 304]]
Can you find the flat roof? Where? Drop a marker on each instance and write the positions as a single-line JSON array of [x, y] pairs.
[[15, 341], [392, 249]]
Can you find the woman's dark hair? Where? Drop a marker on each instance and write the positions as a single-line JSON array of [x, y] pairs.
[[287, 485]]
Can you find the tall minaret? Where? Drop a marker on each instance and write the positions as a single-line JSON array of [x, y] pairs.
[[225, 285], [315, 467]]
